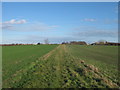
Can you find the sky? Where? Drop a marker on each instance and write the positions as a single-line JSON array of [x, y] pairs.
[[33, 22]]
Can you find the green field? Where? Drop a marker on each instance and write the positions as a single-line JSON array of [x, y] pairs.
[[60, 66]]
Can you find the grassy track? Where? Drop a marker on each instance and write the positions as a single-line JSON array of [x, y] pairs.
[[68, 66]]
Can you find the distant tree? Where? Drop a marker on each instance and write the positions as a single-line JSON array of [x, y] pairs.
[[38, 43], [46, 41]]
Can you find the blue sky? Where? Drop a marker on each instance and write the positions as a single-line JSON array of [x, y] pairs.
[[33, 22]]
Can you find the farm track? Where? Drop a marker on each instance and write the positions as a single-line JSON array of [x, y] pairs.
[[46, 56], [60, 69]]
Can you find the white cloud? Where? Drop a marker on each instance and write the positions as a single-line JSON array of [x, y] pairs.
[[13, 21], [89, 19], [35, 26], [9, 24]]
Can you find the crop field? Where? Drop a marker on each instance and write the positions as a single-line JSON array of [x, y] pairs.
[[60, 66]]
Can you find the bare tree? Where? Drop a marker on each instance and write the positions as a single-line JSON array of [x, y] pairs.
[[46, 41]]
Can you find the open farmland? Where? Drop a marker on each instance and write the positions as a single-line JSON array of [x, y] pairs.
[[60, 66], [17, 58]]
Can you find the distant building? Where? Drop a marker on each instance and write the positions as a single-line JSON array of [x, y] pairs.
[[65, 43], [106, 43], [111, 43], [93, 44], [78, 43]]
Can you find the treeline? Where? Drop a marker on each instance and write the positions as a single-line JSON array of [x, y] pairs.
[[75, 42], [13, 44], [70, 43], [96, 43], [22, 44]]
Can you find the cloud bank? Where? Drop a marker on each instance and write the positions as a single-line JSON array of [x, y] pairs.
[[13, 24]]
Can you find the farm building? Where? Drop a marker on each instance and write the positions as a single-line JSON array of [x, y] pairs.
[[111, 43], [65, 43], [106, 43], [78, 43]]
